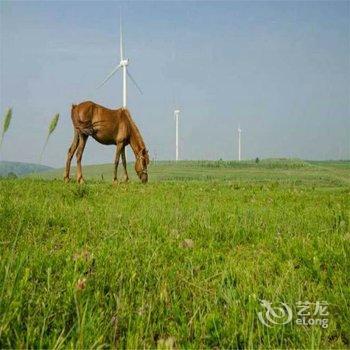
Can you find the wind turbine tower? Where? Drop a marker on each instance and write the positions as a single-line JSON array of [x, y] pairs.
[[123, 64], [239, 144], [176, 115]]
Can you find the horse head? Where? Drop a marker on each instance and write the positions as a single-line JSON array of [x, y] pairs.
[[142, 160]]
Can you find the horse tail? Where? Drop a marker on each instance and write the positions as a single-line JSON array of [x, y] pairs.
[[83, 127]]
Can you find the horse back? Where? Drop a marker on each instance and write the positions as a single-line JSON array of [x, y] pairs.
[[105, 125]]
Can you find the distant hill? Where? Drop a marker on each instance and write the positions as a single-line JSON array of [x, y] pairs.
[[294, 171], [19, 168]]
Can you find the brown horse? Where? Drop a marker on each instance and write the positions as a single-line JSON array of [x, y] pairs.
[[109, 127]]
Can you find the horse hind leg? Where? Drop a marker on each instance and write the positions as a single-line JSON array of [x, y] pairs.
[[79, 155], [70, 155]]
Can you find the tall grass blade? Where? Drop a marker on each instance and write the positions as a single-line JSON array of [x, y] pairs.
[[52, 127], [6, 124]]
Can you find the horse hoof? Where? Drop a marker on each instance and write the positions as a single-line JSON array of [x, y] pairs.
[[81, 181]]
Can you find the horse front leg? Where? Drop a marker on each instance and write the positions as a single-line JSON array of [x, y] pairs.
[[126, 176], [80, 150], [70, 155], [116, 160]]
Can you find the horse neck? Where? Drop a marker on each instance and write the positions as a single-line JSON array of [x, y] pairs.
[[136, 141], [136, 144]]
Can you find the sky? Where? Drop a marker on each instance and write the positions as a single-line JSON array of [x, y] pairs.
[[280, 70]]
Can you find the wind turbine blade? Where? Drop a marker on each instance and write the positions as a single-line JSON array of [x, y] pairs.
[[121, 39], [133, 80], [109, 76]]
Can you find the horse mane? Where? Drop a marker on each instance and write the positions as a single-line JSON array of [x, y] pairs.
[[136, 134], [134, 129]]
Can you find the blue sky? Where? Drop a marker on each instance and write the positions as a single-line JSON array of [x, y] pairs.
[[280, 70]]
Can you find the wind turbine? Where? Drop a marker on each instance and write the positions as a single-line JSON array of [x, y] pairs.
[[176, 116], [123, 64], [239, 144]]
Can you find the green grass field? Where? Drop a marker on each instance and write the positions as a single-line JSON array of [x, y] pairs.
[[182, 262]]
